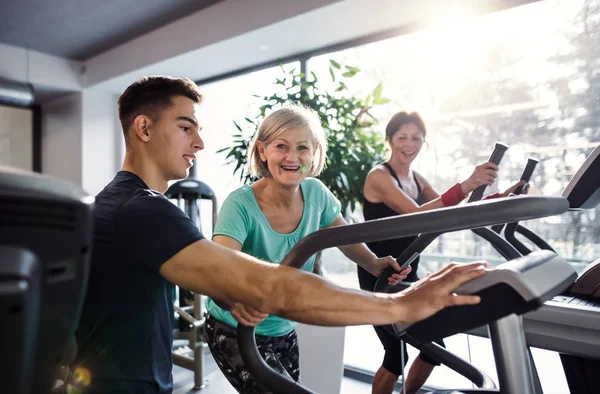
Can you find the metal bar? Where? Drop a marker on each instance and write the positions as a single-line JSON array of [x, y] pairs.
[[510, 354]]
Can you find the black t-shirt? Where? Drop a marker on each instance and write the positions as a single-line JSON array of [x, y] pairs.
[[125, 333]]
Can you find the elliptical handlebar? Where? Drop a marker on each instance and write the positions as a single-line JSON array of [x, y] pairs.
[[496, 158], [532, 162]]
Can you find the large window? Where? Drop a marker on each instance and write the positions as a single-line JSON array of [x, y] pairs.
[[528, 77]]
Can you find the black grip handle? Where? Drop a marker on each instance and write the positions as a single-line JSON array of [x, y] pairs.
[[496, 158], [389, 271], [406, 258], [532, 162]]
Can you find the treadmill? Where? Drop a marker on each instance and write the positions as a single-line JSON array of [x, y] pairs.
[[508, 291], [569, 323], [45, 241]]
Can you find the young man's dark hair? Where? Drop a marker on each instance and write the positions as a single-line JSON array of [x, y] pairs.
[[143, 245], [151, 95]]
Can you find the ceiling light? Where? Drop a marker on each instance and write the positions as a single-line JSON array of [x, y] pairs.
[[16, 93]]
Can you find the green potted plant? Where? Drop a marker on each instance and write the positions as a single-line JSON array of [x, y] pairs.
[[353, 145]]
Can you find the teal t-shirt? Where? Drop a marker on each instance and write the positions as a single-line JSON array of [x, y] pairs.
[[240, 218]]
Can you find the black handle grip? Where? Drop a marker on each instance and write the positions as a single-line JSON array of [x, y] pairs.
[[532, 162], [406, 258], [389, 271], [496, 158]]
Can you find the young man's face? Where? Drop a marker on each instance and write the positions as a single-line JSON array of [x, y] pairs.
[[176, 138]]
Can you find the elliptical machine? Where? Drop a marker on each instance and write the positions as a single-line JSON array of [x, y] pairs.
[[523, 284], [570, 323], [519, 290], [189, 353]]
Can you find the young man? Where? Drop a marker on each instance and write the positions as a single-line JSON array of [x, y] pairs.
[[143, 244]]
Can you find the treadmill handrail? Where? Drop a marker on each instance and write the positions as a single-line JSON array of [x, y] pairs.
[[468, 216], [503, 247], [413, 250], [452, 361], [268, 377], [509, 234]]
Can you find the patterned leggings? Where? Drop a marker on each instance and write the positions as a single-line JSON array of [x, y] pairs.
[[280, 353]]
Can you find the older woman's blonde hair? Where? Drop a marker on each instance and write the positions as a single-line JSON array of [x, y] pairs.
[[290, 117]]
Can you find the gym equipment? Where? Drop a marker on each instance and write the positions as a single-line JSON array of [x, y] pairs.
[[190, 353], [45, 240], [510, 290], [469, 216], [532, 162], [416, 247], [496, 158], [570, 322], [435, 351]]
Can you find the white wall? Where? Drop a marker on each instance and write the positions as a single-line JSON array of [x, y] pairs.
[[81, 139], [61, 138], [42, 70], [16, 137], [321, 357], [101, 140]]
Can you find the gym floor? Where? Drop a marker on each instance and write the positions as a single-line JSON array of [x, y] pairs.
[[217, 384]]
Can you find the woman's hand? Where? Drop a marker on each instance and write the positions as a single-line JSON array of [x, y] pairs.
[[436, 291], [246, 315], [484, 174], [514, 188], [382, 263]]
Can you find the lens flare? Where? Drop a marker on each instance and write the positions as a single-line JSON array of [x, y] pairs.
[[82, 377]]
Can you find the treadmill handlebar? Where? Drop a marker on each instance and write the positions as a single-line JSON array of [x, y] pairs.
[[271, 379], [468, 216], [532, 162], [413, 251], [496, 158]]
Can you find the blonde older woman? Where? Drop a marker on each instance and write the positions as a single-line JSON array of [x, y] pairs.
[[266, 219]]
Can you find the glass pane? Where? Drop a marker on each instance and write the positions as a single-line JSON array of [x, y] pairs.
[[528, 77]]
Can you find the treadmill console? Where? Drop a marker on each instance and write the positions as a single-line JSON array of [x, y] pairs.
[[588, 283], [583, 191]]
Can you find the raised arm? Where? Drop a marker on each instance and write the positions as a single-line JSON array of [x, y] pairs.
[[380, 187], [219, 272]]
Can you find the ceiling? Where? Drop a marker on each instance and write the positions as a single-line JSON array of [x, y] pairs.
[[79, 30], [65, 46]]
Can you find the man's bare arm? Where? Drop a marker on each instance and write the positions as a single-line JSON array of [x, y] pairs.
[[219, 272]]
